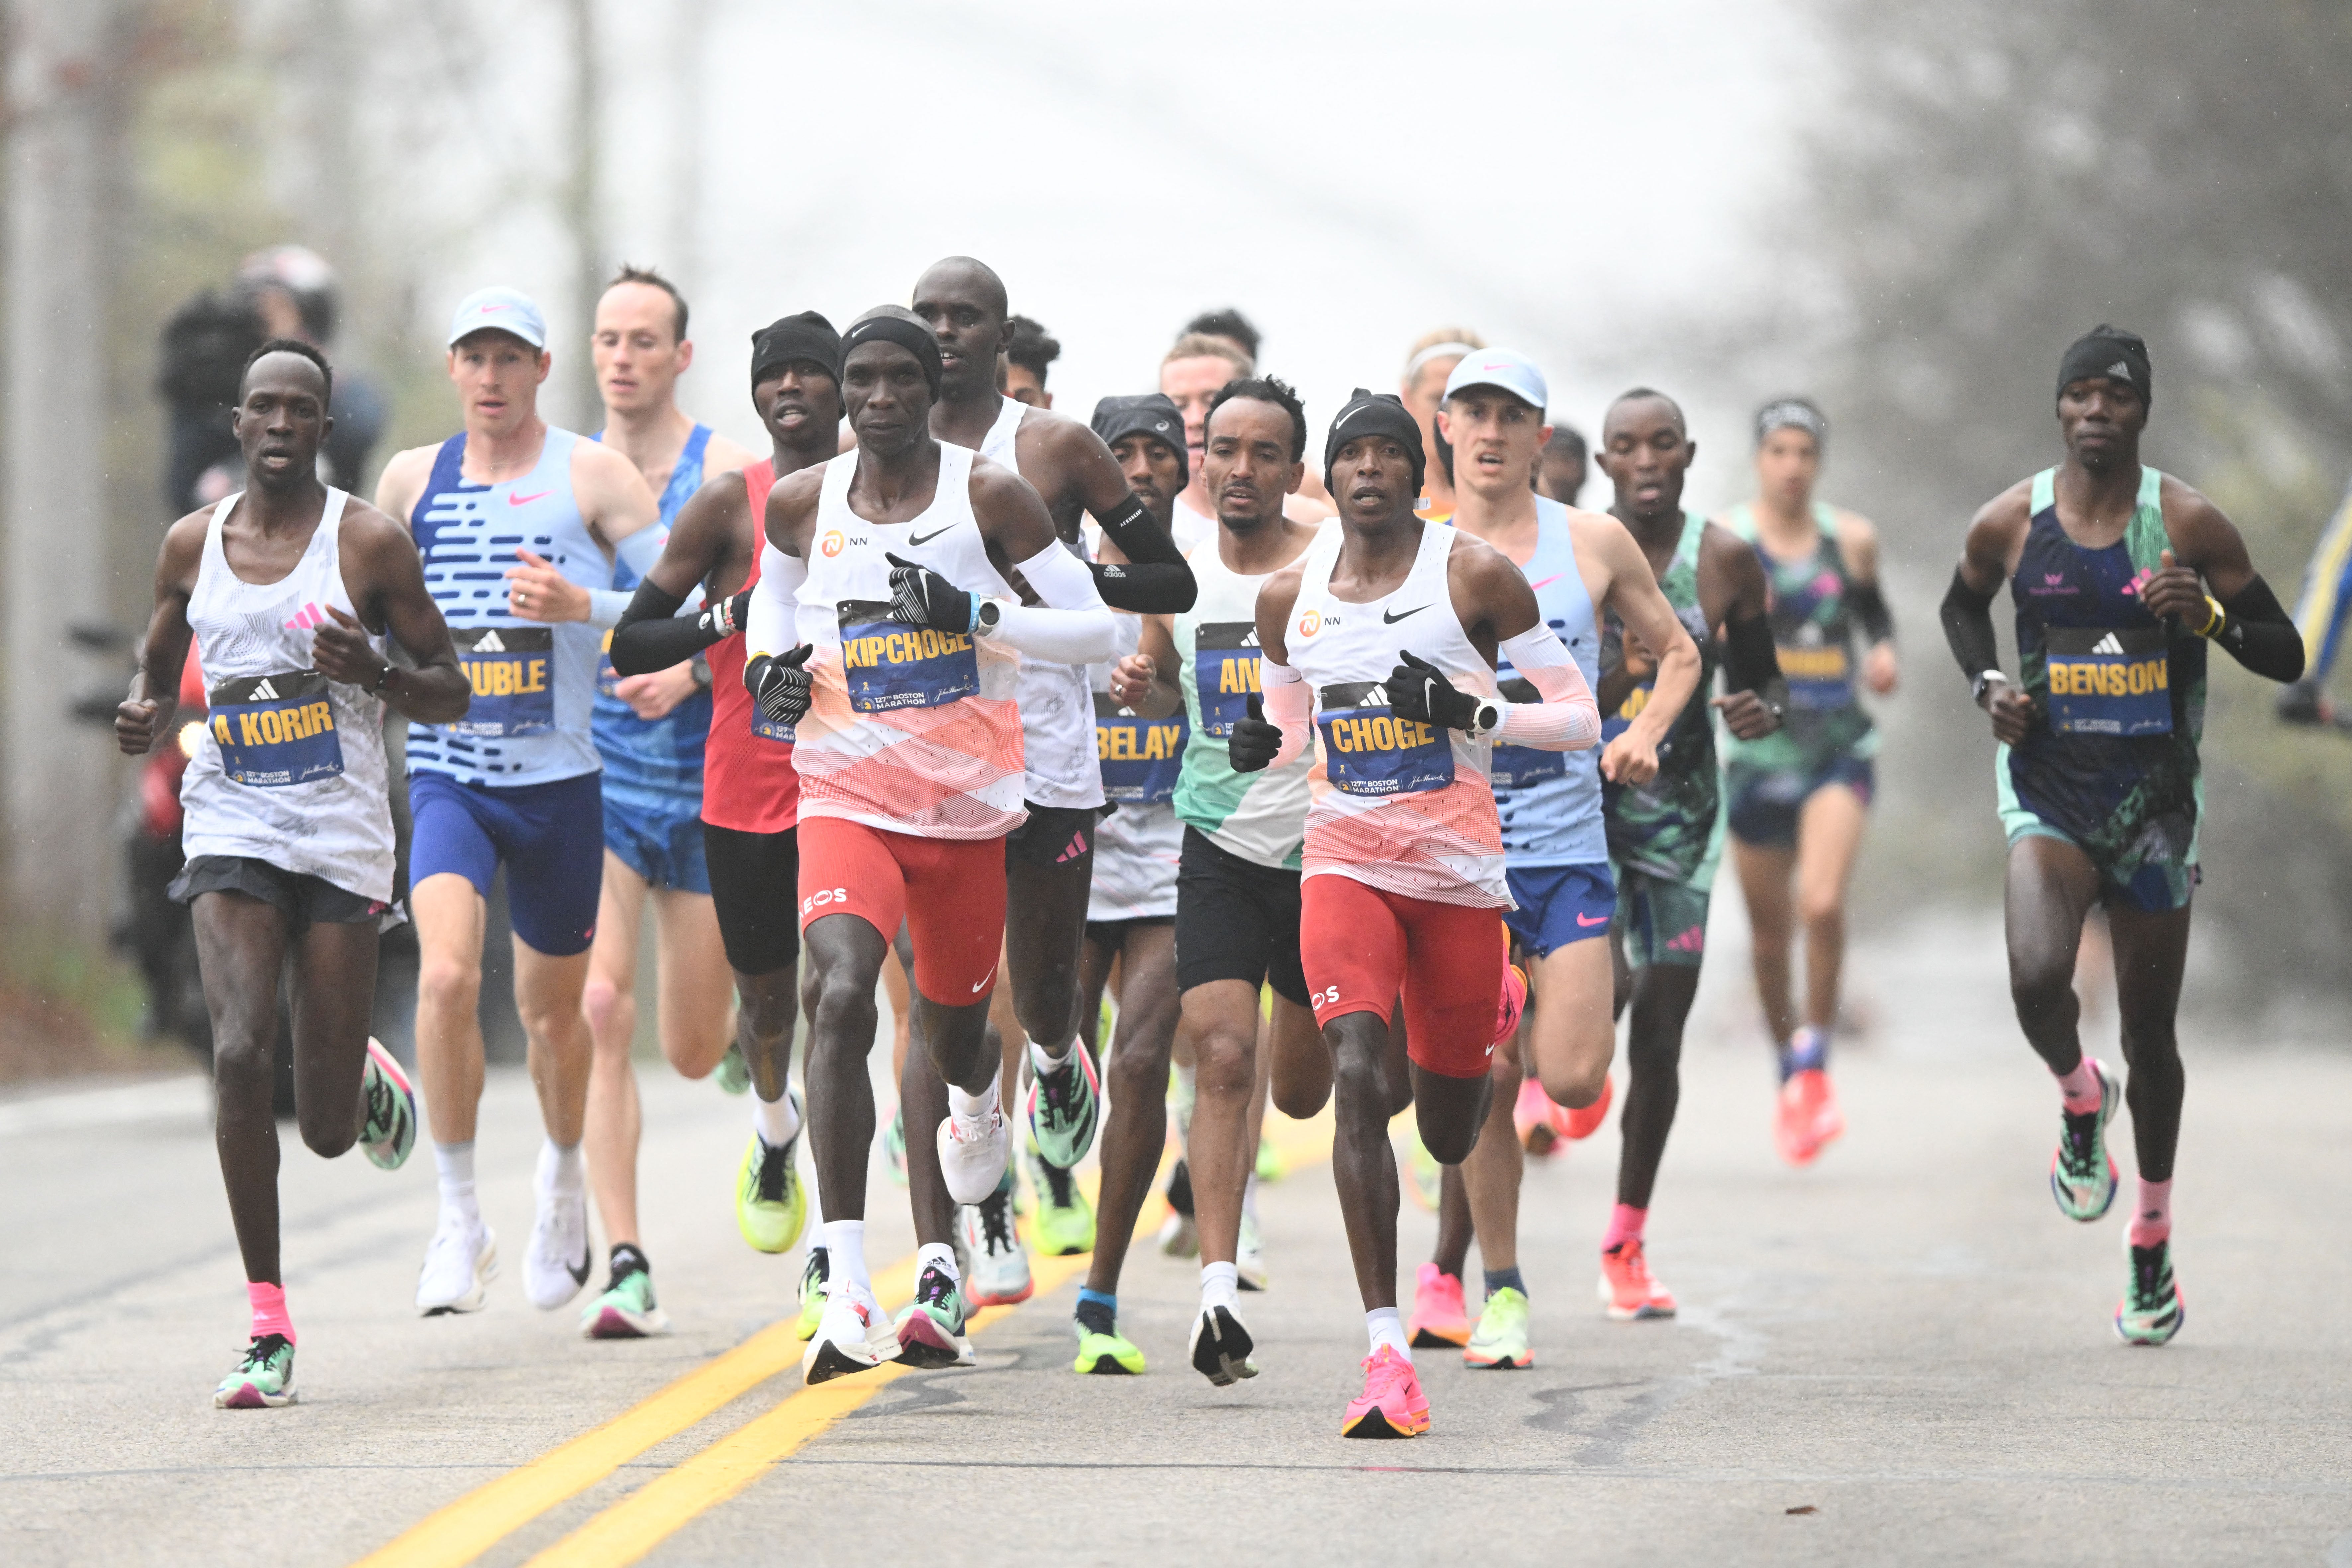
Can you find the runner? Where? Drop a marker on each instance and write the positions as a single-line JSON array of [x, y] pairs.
[[515, 782], [1049, 866], [1030, 352], [909, 756], [2100, 783], [1562, 474], [1217, 348], [649, 729], [1131, 910], [1664, 835], [1422, 388], [751, 796], [1797, 798], [288, 824], [1580, 564], [1382, 641], [1237, 880]]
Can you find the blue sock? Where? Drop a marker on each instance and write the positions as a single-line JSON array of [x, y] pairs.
[[1505, 1279], [1097, 1312], [1809, 1052]]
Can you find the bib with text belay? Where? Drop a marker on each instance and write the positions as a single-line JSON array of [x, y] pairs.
[[1367, 750], [512, 672], [1141, 757], [276, 730], [2109, 681], [1224, 666], [888, 666], [1820, 674], [1517, 767]]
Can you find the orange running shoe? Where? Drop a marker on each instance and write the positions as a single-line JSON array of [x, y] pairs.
[[1513, 1002], [1391, 1404], [1806, 1116], [1627, 1289], [1541, 1121], [1584, 1123], [1439, 1315]]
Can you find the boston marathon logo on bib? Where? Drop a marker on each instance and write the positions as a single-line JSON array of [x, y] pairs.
[[1141, 757], [887, 666], [1368, 751], [276, 730], [1517, 767], [2109, 681], [510, 670], [1224, 666]]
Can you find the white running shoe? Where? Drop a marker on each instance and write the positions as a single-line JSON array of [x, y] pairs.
[[549, 1276], [997, 1272], [1221, 1347], [974, 1150], [1249, 1257], [852, 1336], [459, 1264]]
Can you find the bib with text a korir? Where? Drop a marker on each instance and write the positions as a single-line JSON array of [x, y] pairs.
[[276, 730]]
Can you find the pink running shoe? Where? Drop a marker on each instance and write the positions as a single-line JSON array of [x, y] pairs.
[[1391, 1404], [1439, 1315], [1627, 1289]]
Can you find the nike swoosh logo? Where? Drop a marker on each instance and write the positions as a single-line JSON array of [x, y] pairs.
[[984, 981], [926, 538], [1587, 920], [1390, 618], [514, 499], [1546, 581], [579, 1275]]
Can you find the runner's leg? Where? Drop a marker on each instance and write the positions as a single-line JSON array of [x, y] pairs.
[[240, 950], [695, 999], [610, 1001], [1764, 875], [547, 1000], [1137, 1128], [1829, 838], [333, 996], [2151, 953], [450, 917], [1654, 1049], [2050, 885]]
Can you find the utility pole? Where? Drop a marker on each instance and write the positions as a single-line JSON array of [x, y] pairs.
[[57, 781], [582, 213]]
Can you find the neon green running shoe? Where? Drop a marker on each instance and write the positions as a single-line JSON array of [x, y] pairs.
[[814, 1273], [1065, 1104], [1270, 1164], [893, 1147], [388, 1130], [1108, 1355], [264, 1380], [930, 1328], [2081, 1173], [1500, 1341], [2151, 1311], [1427, 1175], [1064, 1224], [626, 1310], [733, 1074], [771, 1202]]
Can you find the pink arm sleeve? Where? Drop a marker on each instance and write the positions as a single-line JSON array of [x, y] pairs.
[[1567, 719], [1289, 707]]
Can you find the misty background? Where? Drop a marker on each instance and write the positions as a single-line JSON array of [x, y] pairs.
[[1902, 209]]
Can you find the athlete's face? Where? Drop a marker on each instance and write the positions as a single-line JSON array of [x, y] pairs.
[[498, 377], [2101, 420], [1371, 479], [638, 354], [1497, 439], [1022, 385], [1645, 454], [968, 316], [281, 421], [1152, 470], [1561, 474], [888, 400], [1248, 461], [1787, 463], [1426, 389], [1191, 384], [801, 404]]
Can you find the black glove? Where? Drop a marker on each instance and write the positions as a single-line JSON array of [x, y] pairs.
[[1254, 742], [724, 619], [779, 687], [1418, 691], [922, 597]]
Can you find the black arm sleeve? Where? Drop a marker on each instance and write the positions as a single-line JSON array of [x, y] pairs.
[[651, 636], [1153, 588], [1870, 609], [1749, 664], [1139, 539], [1968, 627], [2259, 634]]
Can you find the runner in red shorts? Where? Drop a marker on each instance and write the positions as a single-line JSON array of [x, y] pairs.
[[884, 627], [1383, 640]]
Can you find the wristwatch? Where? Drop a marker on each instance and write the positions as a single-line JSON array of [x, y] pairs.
[[1488, 717], [985, 616], [1977, 690], [701, 669]]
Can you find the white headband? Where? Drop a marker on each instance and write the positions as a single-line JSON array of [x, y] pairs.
[[1437, 350]]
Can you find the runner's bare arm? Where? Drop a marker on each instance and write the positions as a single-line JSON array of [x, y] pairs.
[[722, 456], [1642, 607], [401, 484], [155, 695], [1756, 697], [432, 689], [1145, 681], [2243, 613]]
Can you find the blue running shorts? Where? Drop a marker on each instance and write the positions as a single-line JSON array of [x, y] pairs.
[[549, 836]]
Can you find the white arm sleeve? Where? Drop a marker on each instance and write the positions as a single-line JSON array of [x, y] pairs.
[[1073, 626], [1567, 719], [775, 600], [1289, 707]]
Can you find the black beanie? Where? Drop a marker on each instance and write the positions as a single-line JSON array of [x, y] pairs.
[[1152, 414], [2109, 352], [806, 339], [1375, 414]]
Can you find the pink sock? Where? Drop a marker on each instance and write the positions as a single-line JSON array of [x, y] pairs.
[[2152, 1213], [1625, 1224], [269, 1310], [2080, 1089]]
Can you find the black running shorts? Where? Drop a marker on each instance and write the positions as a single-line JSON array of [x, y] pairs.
[[304, 901], [755, 889], [1236, 919], [1054, 835]]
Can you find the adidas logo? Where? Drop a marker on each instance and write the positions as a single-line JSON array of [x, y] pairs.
[[490, 643], [1077, 848], [265, 692], [1249, 639], [2110, 644], [2120, 369]]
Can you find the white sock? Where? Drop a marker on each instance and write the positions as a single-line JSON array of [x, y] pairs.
[[455, 1163], [937, 1255], [561, 1170], [776, 1120], [962, 1104], [1043, 1060], [1387, 1329], [1220, 1286], [844, 1257]]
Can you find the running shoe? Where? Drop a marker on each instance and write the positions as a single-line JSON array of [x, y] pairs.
[[1108, 1355], [1065, 1222], [1501, 1340], [733, 1074], [626, 1310], [931, 1328], [1221, 1346], [998, 1273], [1584, 1123], [389, 1131], [459, 1264], [1439, 1316], [2083, 1174], [1428, 1176], [813, 1274], [771, 1200], [1249, 1255], [893, 1147], [1627, 1288], [973, 1150], [1391, 1404], [550, 1277], [1541, 1123], [1511, 1004], [1179, 1236], [1065, 1105], [264, 1380], [1806, 1116], [1270, 1166], [2150, 1312], [853, 1336]]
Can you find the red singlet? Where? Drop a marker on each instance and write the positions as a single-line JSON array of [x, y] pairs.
[[749, 782]]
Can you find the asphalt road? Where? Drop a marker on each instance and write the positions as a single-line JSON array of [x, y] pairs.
[[1901, 1355]]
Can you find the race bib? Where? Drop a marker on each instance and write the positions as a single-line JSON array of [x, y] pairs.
[[1141, 757], [1368, 751], [1517, 767], [768, 729], [1817, 676], [2109, 681], [276, 730], [1224, 668], [888, 666], [512, 672], [608, 680]]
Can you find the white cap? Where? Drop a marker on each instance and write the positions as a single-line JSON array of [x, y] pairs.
[[499, 310], [1514, 371]]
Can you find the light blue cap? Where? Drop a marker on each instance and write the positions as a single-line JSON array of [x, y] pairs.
[[499, 310], [1514, 371]]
